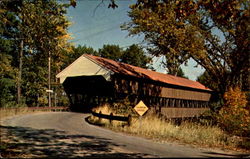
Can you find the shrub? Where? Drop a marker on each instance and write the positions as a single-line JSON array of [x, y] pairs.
[[123, 107], [234, 117]]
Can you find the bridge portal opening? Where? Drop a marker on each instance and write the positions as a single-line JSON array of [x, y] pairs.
[[86, 92]]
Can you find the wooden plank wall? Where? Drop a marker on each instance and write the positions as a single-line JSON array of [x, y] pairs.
[[181, 112], [146, 89]]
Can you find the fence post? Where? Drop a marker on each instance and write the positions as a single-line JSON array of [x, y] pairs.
[[129, 120], [110, 120], [100, 119]]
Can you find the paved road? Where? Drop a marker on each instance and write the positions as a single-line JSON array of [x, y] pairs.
[[67, 134]]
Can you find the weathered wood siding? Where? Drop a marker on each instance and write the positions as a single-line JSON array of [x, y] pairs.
[[181, 112], [141, 88]]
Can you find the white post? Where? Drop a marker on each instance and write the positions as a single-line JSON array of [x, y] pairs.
[[49, 62], [55, 99]]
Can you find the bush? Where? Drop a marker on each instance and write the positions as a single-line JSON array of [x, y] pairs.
[[7, 91], [234, 117], [124, 107]]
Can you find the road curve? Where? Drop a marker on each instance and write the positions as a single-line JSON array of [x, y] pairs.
[[67, 134]]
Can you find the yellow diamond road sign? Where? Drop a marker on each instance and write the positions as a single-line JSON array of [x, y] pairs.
[[141, 108]]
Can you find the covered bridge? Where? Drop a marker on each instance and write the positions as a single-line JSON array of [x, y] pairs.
[[90, 81]]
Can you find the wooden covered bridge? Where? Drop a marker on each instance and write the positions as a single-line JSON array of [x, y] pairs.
[[91, 81]]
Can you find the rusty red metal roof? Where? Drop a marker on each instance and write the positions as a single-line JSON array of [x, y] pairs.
[[126, 69]]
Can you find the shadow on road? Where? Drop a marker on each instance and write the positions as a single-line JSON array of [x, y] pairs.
[[224, 155], [54, 143], [25, 142]]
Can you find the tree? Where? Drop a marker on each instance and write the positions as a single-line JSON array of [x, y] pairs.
[[180, 73], [42, 27], [8, 56], [45, 26], [207, 80], [216, 97], [134, 55], [185, 29], [113, 52], [234, 117], [7, 80], [112, 3], [77, 52]]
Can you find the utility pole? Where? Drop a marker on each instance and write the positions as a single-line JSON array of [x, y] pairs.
[[55, 100], [19, 81], [49, 82]]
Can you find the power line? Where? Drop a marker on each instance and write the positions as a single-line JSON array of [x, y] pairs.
[[104, 24], [97, 33], [93, 28]]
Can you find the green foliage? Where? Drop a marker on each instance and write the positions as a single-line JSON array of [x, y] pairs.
[[113, 52], [134, 55], [35, 83], [7, 81], [123, 107], [7, 91], [42, 25], [63, 101], [76, 52], [208, 81], [216, 98], [6, 69], [43, 101]]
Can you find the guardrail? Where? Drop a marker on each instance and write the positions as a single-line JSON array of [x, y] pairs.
[[111, 117]]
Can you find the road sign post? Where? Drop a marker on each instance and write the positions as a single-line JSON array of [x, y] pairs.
[[141, 109]]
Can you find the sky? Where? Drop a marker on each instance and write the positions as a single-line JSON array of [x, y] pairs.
[[94, 25]]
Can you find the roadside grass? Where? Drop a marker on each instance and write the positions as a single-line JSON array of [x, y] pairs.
[[162, 130], [7, 112]]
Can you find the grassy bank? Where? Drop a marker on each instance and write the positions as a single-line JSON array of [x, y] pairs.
[[187, 132], [7, 112]]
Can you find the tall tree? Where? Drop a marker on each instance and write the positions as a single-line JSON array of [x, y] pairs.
[[205, 79], [186, 29], [77, 52], [7, 80], [9, 51], [42, 26], [216, 98], [134, 55], [113, 52]]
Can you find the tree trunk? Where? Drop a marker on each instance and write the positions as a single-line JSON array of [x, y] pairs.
[[19, 81], [49, 81]]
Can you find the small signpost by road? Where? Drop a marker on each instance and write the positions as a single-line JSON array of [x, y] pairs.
[[49, 91], [141, 109]]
